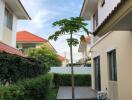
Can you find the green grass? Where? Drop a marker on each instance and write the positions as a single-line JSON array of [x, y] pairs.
[[51, 94]]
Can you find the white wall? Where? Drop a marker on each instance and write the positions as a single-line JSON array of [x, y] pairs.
[[14, 30], [122, 42], [104, 11], [2, 6], [9, 37], [67, 70]]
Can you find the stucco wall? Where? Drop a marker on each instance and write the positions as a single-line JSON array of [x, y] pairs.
[[2, 6], [122, 42], [7, 36], [104, 11]]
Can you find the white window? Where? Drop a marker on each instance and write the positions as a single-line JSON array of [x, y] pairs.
[[95, 20], [112, 65], [8, 19]]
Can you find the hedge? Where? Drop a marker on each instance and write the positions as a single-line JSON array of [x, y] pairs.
[[14, 68], [31, 89], [65, 80]]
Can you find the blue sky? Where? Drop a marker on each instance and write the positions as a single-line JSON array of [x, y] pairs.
[[44, 13]]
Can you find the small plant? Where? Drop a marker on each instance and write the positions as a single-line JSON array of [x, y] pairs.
[[30, 89]]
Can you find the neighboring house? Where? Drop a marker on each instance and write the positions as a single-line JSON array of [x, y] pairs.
[[10, 12], [63, 60], [84, 49], [111, 22], [26, 40]]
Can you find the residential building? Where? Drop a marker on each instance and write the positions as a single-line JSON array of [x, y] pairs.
[[10, 12], [111, 24], [84, 49], [63, 60], [26, 40]]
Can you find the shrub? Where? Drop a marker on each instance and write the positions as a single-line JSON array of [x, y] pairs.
[[14, 68], [30, 89], [65, 80], [46, 55]]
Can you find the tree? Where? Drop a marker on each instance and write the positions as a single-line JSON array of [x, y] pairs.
[[70, 27], [46, 55]]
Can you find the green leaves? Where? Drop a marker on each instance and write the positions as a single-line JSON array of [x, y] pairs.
[[45, 55], [73, 42], [30, 89], [69, 26], [14, 68], [65, 80]]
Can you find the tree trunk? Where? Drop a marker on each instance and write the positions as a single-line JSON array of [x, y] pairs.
[[72, 71]]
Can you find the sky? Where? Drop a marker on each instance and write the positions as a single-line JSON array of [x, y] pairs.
[[44, 13]]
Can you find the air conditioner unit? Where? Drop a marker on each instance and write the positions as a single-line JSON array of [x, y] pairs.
[[102, 95]]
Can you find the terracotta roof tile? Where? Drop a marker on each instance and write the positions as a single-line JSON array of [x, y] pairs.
[[61, 58], [6, 48], [24, 36]]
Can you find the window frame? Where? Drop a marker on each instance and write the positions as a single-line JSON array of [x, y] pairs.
[[97, 73], [9, 18], [112, 64], [95, 20]]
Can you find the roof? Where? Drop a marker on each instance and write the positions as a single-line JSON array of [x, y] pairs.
[[6, 48], [105, 22], [82, 7], [61, 58], [27, 37], [18, 9], [88, 8]]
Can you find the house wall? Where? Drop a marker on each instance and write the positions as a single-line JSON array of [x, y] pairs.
[[37, 45], [7, 36], [2, 6], [104, 11], [122, 42]]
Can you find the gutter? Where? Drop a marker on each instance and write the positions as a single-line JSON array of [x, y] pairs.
[[24, 10], [82, 7], [108, 17]]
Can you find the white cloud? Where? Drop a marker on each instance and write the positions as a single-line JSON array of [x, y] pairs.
[[40, 20]]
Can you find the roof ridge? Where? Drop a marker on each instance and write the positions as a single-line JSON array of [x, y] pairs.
[[32, 34]]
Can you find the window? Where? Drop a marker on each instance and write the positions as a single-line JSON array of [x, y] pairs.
[[112, 65], [95, 20], [8, 19], [97, 73], [102, 3]]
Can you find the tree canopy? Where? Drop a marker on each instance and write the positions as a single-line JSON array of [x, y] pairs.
[[46, 55], [69, 26]]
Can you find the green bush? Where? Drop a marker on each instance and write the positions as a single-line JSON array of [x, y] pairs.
[[46, 55], [31, 89], [14, 68], [65, 80]]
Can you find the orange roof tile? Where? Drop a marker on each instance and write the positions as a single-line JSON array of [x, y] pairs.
[[6, 48], [61, 58], [24, 36]]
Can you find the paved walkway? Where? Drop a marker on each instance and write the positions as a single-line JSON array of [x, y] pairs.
[[81, 93]]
